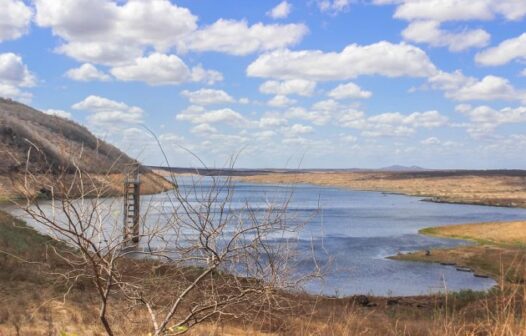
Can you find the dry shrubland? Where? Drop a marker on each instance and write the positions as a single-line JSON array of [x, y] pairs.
[[49, 145], [46, 142], [80, 281], [34, 302]]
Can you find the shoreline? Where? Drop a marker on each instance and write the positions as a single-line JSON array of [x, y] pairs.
[[481, 259], [482, 189], [498, 252], [372, 297], [417, 255], [445, 256], [390, 310]]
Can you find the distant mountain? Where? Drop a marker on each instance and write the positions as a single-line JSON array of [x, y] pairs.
[[398, 168]]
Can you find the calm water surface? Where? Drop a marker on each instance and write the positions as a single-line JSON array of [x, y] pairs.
[[354, 232]]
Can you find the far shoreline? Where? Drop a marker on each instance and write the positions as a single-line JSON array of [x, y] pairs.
[[429, 187], [499, 188]]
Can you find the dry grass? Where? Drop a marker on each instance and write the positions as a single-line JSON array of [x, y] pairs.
[[477, 187], [500, 252], [112, 184], [32, 304], [43, 144], [509, 233]]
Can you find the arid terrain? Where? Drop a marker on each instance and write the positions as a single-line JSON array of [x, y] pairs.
[[498, 187], [45, 146], [499, 252], [34, 303], [38, 301], [508, 234]]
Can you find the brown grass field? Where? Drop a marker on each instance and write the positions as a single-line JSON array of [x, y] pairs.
[[500, 251], [507, 234], [501, 188], [111, 184]]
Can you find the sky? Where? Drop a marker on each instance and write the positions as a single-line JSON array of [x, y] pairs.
[[279, 84]]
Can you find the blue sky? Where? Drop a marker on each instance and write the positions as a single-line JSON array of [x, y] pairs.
[[313, 84]]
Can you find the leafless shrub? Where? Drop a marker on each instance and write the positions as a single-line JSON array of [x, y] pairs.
[[201, 256]]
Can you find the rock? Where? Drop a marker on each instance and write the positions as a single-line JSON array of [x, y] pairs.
[[481, 275], [362, 300]]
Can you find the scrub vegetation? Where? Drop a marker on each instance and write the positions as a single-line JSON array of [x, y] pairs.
[[78, 281]]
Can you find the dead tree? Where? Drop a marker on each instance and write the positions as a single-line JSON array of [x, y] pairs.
[[201, 256]]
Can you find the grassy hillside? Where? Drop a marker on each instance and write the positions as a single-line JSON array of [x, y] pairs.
[[53, 141], [49, 145]]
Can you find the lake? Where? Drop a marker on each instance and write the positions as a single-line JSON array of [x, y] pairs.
[[354, 232]]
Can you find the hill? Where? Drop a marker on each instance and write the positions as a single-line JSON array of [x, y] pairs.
[[399, 168], [49, 145]]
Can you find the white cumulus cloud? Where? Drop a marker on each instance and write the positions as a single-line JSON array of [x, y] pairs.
[[316, 116], [296, 130], [58, 113], [458, 10], [294, 86], [484, 119], [281, 11], [429, 32], [14, 71], [161, 69], [392, 124], [382, 58], [204, 129], [505, 52], [457, 86], [238, 38], [200, 115], [14, 77], [281, 101], [426, 17], [109, 113], [333, 6], [208, 97], [106, 32], [15, 18], [349, 91], [86, 73], [431, 141]]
